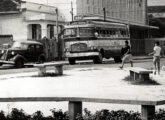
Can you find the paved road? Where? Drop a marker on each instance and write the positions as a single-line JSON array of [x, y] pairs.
[[146, 63]]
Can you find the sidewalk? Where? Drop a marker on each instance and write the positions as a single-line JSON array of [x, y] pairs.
[[142, 57], [94, 82]]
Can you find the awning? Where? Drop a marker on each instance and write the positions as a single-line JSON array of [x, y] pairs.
[[143, 26], [134, 25]]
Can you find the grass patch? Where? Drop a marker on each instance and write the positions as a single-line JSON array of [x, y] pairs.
[[140, 82]]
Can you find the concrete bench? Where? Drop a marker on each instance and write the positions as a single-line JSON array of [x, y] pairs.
[[140, 73], [75, 104], [57, 65]]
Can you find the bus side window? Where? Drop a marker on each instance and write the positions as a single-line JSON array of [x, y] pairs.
[[110, 33], [105, 33], [101, 33], [119, 33], [124, 33], [98, 33], [113, 33]]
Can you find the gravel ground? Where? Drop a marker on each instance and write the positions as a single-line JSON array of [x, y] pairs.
[[85, 80]]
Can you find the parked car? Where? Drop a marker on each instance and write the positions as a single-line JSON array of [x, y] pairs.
[[23, 52]]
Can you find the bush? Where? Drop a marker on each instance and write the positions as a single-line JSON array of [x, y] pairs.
[[98, 115], [160, 115], [110, 115], [59, 115]]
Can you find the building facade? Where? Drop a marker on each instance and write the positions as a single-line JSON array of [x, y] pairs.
[[156, 15], [29, 21], [125, 11]]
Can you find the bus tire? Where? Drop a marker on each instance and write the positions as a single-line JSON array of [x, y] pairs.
[[72, 61], [98, 59], [117, 59]]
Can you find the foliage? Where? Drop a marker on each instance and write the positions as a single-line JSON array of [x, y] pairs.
[[160, 115], [110, 115], [59, 115], [104, 114]]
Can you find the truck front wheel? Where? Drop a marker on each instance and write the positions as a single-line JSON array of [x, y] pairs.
[[117, 59]]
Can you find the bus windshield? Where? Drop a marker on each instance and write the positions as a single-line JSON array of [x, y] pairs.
[[70, 32], [86, 32]]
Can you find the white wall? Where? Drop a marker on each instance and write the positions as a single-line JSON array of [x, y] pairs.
[[13, 24]]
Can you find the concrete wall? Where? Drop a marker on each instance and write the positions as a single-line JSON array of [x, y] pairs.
[[13, 24]]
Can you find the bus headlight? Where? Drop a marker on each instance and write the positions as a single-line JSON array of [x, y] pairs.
[[12, 53], [67, 49], [2, 51]]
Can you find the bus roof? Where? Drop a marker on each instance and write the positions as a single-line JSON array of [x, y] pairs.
[[100, 24]]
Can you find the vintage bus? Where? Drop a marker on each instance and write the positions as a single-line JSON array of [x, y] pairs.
[[94, 40]]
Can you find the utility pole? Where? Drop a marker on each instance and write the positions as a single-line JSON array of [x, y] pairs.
[[58, 42], [47, 2], [104, 11], [71, 10], [56, 24]]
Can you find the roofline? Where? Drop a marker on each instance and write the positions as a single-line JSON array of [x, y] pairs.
[[30, 41], [38, 4], [10, 12]]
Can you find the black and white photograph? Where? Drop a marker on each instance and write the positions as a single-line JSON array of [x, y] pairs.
[[82, 59]]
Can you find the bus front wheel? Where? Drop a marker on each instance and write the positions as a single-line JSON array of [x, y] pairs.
[[117, 59], [1, 64], [72, 61], [98, 59]]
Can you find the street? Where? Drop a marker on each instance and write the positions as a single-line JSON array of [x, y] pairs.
[[145, 63]]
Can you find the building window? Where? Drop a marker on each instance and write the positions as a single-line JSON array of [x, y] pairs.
[[34, 31], [89, 9], [87, 1]]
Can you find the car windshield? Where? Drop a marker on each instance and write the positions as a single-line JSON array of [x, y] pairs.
[[19, 45], [70, 32]]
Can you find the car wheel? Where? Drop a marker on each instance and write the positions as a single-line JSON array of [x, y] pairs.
[[41, 60], [117, 59], [72, 61], [19, 63], [1, 64]]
